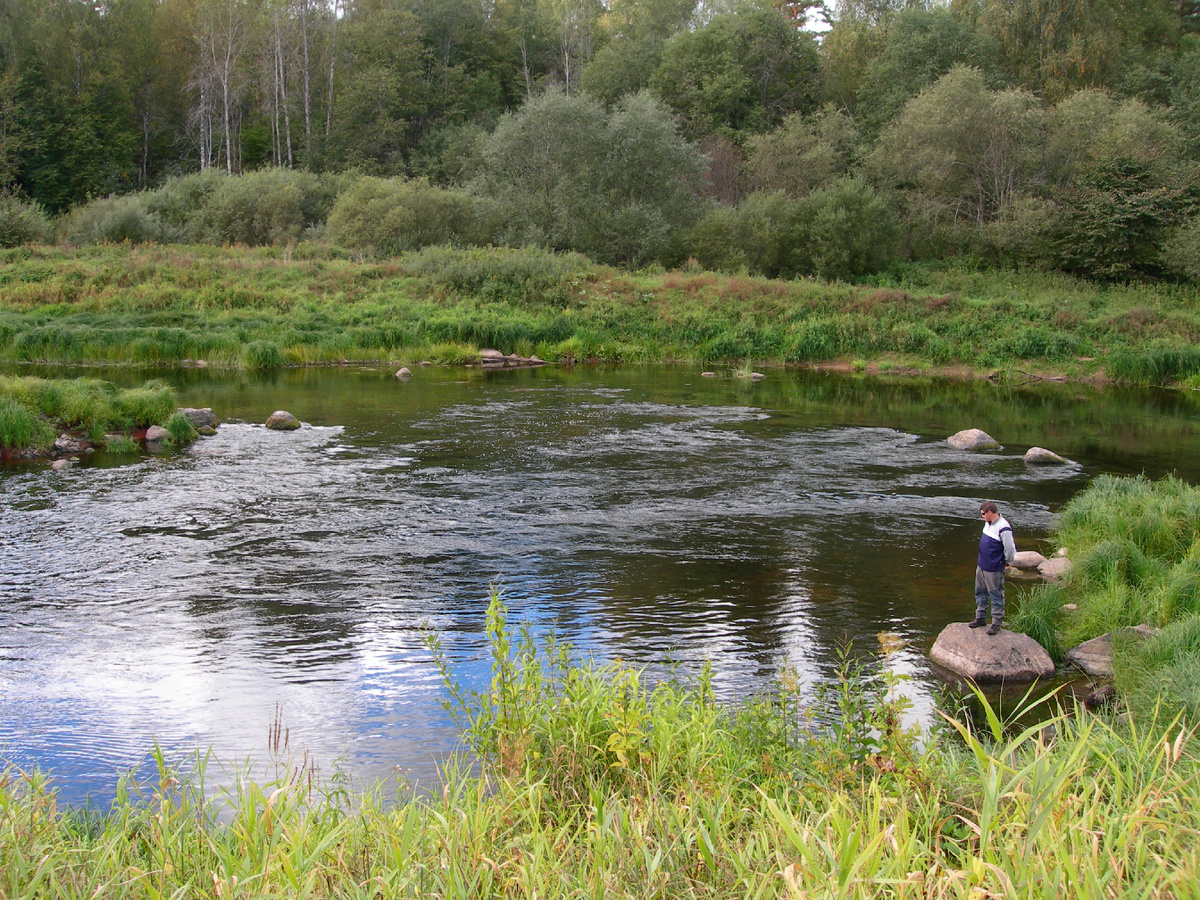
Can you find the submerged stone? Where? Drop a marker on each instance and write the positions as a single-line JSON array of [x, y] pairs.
[[1007, 656]]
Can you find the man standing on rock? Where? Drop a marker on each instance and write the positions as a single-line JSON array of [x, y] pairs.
[[996, 549]]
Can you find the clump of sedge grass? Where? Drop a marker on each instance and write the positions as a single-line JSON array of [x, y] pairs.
[[1136, 548]]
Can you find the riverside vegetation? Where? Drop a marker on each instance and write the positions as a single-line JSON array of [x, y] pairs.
[[34, 411], [594, 782], [309, 303], [1135, 544]]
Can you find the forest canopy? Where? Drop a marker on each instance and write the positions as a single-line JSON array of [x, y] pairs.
[[779, 137]]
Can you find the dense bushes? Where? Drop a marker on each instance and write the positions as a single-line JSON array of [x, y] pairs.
[[839, 231], [393, 215], [21, 222]]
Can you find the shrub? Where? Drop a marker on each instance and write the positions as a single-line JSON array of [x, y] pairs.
[[21, 222], [179, 201], [392, 215], [848, 230], [113, 220], [269, 206]]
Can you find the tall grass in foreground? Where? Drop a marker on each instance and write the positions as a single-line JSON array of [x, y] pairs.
[[1135, 545], [594, 783]]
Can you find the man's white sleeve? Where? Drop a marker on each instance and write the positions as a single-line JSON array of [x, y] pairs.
[[1010, 546]]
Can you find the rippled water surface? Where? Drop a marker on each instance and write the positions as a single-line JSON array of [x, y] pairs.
[[643, 513]]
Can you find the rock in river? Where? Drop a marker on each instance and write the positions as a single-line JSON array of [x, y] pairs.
[[972, 439], [1040, 456], [282, 420], [1096, 656], [200, 418], [1054, 569], [1007, 656], [1028, 559]]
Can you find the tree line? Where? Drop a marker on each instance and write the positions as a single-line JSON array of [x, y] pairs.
[[1063, 133]]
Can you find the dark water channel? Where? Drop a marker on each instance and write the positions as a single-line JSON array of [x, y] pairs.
[[643, 513]]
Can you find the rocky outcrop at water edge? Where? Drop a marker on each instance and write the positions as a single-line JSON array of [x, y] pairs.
[[1006, 656], [1095, 657], [494, 359]]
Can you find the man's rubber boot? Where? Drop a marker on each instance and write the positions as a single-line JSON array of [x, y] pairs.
[[978, 623], [994, 628]]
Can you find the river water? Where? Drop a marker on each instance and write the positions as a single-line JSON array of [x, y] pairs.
[[646, 514]]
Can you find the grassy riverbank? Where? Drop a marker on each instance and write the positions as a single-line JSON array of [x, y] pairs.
[[598, 784], [268, 307], [1135, 545], [35, 411]]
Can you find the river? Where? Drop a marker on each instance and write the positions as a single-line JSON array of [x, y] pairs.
[[642, 513]]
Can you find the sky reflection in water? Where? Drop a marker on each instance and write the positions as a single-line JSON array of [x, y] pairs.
[[645, 514]]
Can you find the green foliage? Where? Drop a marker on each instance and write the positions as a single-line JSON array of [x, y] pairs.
[[743, 72], [113, 220], [33, 408], [1119, 185], [151, 404], [1137, 560], [270, 206], [181, 428], [395, 215], [848, 230], [1039, 614], [804, 153], [565, 174], [21, 222], [263, 356], [19, 427], [920, 44], [963, 147]]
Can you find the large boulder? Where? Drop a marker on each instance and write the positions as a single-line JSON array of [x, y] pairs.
[[157, 438], [972, 439], [1054, 569], [1028, 559], [1095, 657], [1007, 656], [282, 420], [1040, 456], [200, 418]]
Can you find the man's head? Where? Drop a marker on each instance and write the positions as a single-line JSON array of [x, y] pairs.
[[987, 509]]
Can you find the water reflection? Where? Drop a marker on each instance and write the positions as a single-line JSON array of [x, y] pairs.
[[646, 514]]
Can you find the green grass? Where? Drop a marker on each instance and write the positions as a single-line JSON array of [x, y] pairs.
[[34, 410], [1135, 545], [593, 782], [161, 305]]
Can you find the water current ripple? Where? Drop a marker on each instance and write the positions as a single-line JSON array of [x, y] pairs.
[[179, 599]]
